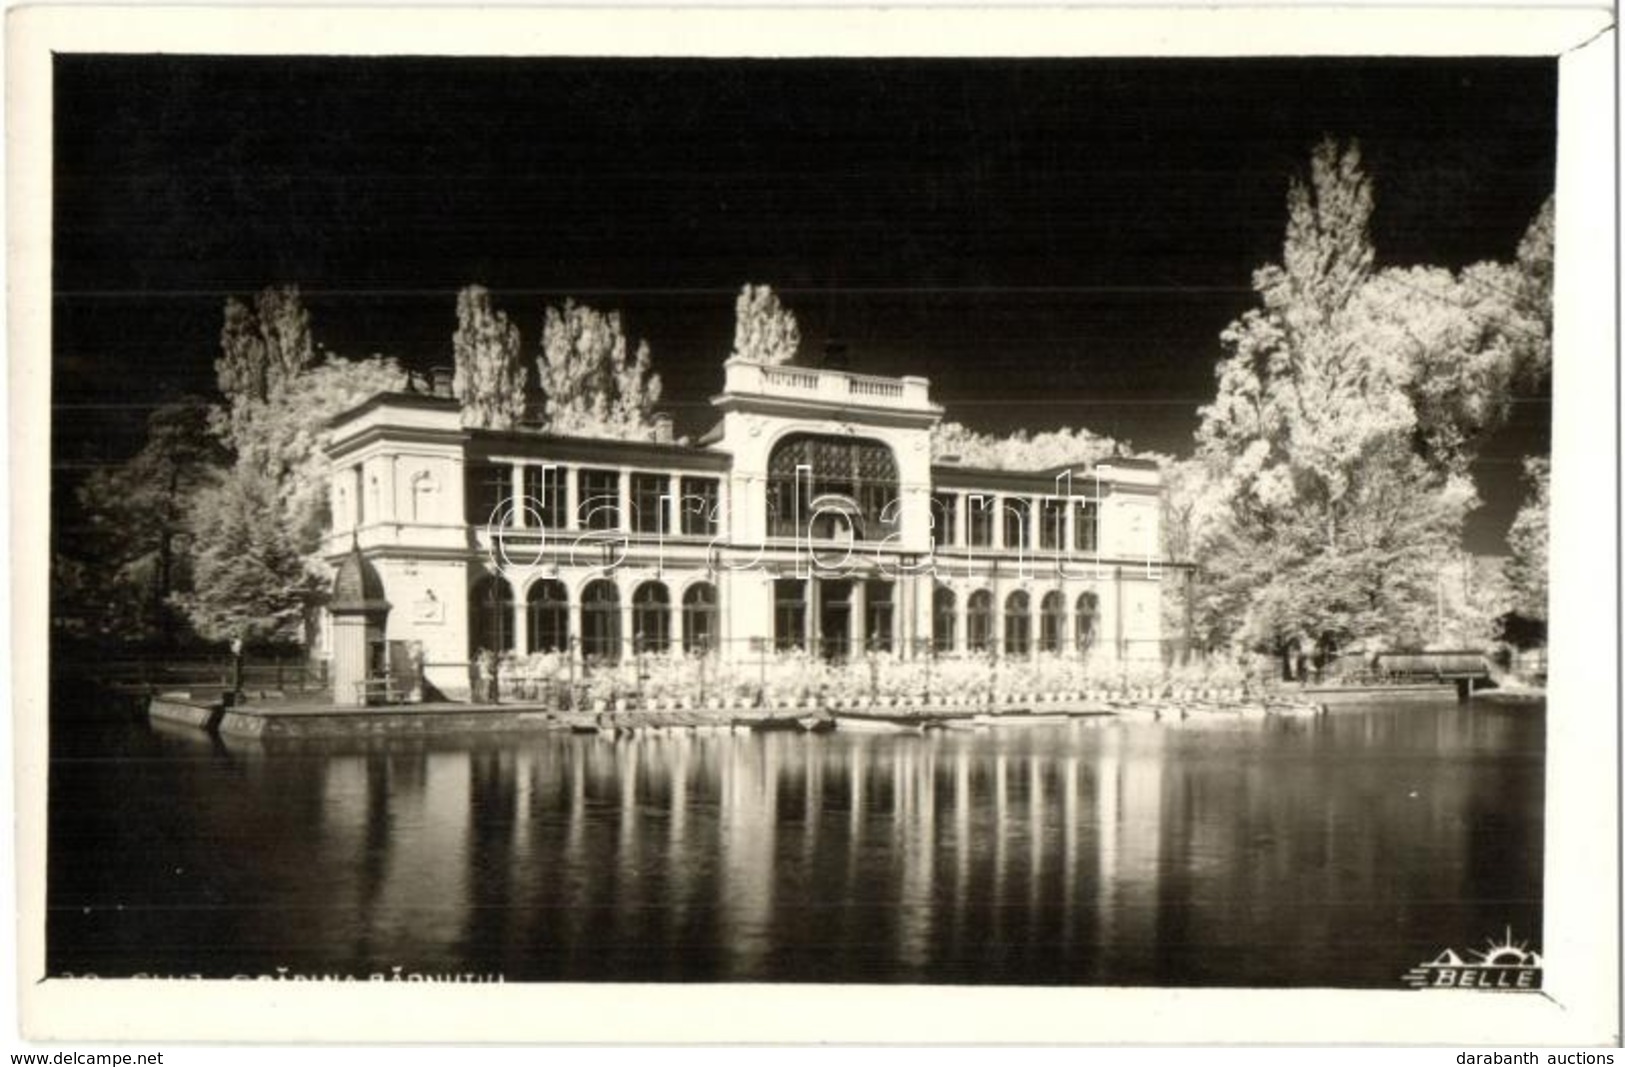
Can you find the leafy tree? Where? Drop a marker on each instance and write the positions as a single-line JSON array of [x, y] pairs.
[[133, 549], [1535, 274], [1021, 450], [1528, 539], [249, 579], [1349, 406], [490, 375], [261, 349], [282, 442], [593, 389], [765, 331], [1465, 343], [255, 531]]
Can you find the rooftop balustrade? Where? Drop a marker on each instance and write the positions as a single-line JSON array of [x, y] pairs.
[[828, 386]]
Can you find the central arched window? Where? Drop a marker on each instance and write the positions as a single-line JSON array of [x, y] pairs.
[[1018, 624], [601, 621], [651, 618], [1051, 621], [549, 604], [700, 618], [979, 621], [855, 469]]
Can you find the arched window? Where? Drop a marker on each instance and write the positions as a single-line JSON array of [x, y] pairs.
[[601, 621], [1088, 610], [490, 605], [1018, 624], [700, 618], [855, 469], [1051, 622], [979, 621], [651, 618], [549, 604], [943, 607]]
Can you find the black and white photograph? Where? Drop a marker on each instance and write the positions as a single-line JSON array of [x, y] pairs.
[[967, 521]]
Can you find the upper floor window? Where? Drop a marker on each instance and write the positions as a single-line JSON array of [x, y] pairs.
[[1052, 524], [544, 497], [699, 506], [598, 499], [1017, 518], [806, 467], [488, 494], [979, 519], [1085, 525], [944, 517], [651, 494]]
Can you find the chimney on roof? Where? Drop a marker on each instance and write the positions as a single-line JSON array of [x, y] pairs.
[[662, 427]]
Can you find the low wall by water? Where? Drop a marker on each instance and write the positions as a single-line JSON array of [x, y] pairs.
[[182, 709], [1375, 694], [372, 722], [274, 721]]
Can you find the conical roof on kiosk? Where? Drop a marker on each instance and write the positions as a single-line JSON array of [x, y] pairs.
[[357, 588]]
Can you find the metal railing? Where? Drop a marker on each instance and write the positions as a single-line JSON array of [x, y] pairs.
[[262, 672]]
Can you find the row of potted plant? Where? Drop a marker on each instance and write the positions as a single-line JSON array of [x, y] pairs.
[[795, 679]]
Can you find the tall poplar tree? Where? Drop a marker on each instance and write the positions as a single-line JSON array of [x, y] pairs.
[[765, 331], [594, 389], [1350, 405]]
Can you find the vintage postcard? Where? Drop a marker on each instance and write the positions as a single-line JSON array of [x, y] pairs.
[[816, 524]]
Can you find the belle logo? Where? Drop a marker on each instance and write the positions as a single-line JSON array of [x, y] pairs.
[[1502, 967]]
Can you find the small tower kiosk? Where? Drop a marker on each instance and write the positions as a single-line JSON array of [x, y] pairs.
[[359, 612]]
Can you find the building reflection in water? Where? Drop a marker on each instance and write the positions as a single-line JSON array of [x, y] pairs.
[[1106, 854]]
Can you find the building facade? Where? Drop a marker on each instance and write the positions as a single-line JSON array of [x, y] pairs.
[[810, 517]]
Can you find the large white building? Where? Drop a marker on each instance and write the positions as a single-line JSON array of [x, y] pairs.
[[811, 516]]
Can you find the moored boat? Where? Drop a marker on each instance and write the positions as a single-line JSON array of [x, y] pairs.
[[870, 724], [1021, 719]]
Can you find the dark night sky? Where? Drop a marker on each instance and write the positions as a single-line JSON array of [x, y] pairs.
[[1051, 242]]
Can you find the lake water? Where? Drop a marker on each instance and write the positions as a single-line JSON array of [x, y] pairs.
[[1331, 852]]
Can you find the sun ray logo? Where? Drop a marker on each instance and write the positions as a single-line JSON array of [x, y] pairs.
[[1504, 966]]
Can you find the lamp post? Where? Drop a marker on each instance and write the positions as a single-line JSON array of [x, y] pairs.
[[874, 671], [926, 650], [993, 684], [702, 646], [759, 646], [638, 643], [570, 661], [237, 670]]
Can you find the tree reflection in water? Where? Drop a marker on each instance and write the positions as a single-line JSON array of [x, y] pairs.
[[1096, 853]]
